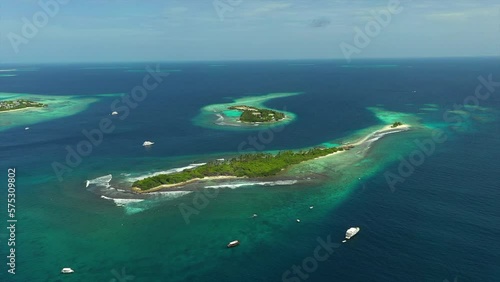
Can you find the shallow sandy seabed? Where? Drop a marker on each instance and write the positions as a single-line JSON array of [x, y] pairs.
[[58, 107]]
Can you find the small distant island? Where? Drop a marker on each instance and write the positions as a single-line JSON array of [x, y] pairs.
[[247, 165], [19, 104], [245, 113], [253, 114], [396, 124]]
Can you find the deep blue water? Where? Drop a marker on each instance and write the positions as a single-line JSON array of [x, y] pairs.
[[443, 222]]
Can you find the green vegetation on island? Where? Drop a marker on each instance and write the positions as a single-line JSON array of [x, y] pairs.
[[247, 165], [396, 124], [253, 114], [19, 104]]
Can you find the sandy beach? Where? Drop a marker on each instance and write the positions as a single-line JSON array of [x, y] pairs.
[[165, 186], [22, 109], [385, 129]]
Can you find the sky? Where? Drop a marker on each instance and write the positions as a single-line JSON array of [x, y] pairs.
[[63, 31]]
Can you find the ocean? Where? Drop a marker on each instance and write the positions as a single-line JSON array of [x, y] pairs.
[[440, 221]]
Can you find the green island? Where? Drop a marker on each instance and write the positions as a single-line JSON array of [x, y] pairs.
[[247, 165], [19, 104], [396, 124], [254, 114]]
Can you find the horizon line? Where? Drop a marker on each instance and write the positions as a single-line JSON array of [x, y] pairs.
[[251, 60]]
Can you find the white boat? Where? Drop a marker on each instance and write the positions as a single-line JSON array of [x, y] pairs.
[[114, 113], [67, 270], [351, 232], [26, 128], [147, 143], [233, 244]]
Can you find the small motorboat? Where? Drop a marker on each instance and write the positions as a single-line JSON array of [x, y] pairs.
[[114, 113], [26, 128], [298, 220], [67, 270], [233, 244], [350, 233], [147, 143]]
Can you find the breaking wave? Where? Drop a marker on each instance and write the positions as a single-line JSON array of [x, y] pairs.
[[131, 202], [102, 180], [170, 195], [260, 183], [122, 202], [134, 206]]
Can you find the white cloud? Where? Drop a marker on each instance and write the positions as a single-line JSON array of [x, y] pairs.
[[448, 16], [175, 11], [269, 7], [465, 14]]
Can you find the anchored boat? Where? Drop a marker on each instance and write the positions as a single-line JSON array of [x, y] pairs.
[[67, 270], [147, 143], [351, 232], [233, 244]]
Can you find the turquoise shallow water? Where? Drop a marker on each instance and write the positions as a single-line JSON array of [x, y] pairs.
[[232, 113], [440, 223], [60, 106]]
